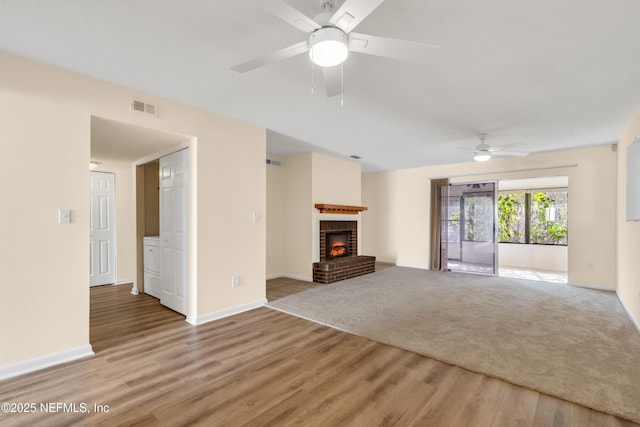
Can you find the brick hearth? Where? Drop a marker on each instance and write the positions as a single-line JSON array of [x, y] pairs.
[[343, 268]]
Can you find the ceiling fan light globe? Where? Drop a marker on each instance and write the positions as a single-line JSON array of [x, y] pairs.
[[328, 47], [328, 53], [482, 156]]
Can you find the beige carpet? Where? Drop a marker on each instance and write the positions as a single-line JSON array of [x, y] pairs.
[[576, 344]]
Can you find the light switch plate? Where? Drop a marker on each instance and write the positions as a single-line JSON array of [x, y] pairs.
[[64, 216]]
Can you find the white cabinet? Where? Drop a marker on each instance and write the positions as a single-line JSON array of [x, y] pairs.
[[151, 262]]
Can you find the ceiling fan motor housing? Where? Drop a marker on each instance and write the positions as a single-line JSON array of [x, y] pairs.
[[328, 46]]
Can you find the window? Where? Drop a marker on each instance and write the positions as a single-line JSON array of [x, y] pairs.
[[536, 217], [512, 218]]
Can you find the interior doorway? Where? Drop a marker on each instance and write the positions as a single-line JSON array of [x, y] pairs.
[[117, 147], [533, 228]]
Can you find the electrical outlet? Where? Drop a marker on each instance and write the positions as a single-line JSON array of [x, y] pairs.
[[235, 281]]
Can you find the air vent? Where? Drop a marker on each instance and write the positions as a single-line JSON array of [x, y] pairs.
[[143, 107], [274, 162], [355, 156]]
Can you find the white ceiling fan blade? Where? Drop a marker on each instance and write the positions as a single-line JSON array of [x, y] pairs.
[[270, 58], [401, 50], [352, 12], [507, 146], [332, 80], [506, 153], [292, 16]]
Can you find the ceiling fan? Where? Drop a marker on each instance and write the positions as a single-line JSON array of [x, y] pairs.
[[331, 39], [484, 151]]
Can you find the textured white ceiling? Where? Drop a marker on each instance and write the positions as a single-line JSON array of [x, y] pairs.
[[551, 74]]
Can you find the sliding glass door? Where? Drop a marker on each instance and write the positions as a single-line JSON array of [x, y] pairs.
[[468, 229]]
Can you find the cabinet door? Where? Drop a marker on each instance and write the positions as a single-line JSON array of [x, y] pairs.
[[151, 259], [173, 230], [152, 284]]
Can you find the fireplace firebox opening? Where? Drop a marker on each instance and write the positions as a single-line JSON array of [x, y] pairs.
[[337, 239], [337, 244]]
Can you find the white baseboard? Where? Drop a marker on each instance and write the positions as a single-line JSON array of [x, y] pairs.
[[419, 267], [124, 281], [595, 287], [633, 319], [220, 314], [290, 276], [47, 361]]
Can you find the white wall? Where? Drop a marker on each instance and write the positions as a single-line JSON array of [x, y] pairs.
[[275, 217], [335, 181], [44, 308], [45, 118], [231, 186], [539, 257], [297, 234], [628, 232], [396, 228]]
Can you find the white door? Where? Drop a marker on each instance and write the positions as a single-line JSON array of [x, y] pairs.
[[173, 230], [102, 231]]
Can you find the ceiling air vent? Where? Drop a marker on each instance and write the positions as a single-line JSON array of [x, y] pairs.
[[143, 107], [274, 162]]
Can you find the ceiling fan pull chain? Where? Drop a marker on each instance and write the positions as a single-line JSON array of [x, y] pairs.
[[313, 80], [342, 84]]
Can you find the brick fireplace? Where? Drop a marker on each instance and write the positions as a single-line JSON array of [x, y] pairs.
[[338, 234], [338, 250]]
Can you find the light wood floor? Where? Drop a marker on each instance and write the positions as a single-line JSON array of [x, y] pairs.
[[279, 288], [265, 368]]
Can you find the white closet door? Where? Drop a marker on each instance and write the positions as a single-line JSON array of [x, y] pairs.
[[102, 232], [173, 230]]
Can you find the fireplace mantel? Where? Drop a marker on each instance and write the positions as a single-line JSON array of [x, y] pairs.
[[339, 209]]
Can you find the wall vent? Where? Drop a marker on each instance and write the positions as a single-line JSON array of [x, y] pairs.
[[274, 162], [143, 107]]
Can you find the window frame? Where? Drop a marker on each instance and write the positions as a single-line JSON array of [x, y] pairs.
[[528, 214]]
